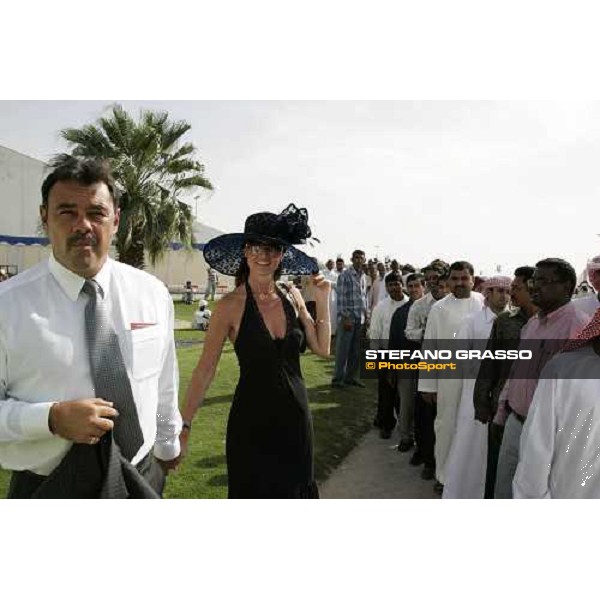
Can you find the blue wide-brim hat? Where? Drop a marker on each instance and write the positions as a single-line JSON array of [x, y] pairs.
[[225, 252]]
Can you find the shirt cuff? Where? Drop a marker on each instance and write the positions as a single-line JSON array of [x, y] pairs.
[[427, 387], [167, 451], [34, 420]]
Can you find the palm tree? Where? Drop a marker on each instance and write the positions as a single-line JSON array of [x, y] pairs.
[[154, 169]]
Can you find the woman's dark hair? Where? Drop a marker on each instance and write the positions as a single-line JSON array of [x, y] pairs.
[[244, 271], [85, 171]]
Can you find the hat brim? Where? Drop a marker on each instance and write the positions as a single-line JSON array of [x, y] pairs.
[[225, 252]]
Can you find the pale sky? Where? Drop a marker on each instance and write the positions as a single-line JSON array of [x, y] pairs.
[[500, 182]]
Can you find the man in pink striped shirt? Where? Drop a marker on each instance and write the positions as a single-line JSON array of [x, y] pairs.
[[545, 333]]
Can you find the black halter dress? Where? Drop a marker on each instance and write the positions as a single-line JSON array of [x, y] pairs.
[[269, 431]]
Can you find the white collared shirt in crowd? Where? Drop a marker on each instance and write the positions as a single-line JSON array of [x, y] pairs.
[[44, 359], [417, 317], [381, 319]]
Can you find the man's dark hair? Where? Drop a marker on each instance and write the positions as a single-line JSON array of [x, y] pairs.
[[85, 171], [462, 265], [416, 277], [359, 252], [525, 273], [391, 277], [563, 269], [408, 267]]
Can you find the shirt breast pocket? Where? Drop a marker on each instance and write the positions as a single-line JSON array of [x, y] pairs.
[[146, 351]]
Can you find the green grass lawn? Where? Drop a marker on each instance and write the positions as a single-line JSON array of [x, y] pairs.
[[340, 418]]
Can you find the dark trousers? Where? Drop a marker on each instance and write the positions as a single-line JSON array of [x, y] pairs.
[[387, 402], [495, 433], [424, 431], [24, 484]]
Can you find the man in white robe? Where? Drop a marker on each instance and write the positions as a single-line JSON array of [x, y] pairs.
[[332, 275], [467, 461], [378, 287], [444, 323], [558, 455], [591, 303]]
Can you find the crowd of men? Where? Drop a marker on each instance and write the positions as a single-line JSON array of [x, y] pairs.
[[504, 428]]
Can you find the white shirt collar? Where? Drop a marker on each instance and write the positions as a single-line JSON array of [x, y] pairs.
[[489, 314], [71, 283]]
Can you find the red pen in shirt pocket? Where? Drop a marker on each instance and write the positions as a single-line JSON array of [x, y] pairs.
[[141, 325]]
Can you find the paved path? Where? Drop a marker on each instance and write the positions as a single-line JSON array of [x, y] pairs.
[[375, 469]]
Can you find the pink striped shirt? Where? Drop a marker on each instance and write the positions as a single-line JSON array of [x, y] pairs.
[[564, 323]]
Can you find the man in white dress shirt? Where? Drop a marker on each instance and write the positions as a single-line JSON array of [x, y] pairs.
[[48, 405], [445, 319], [436, 276], [558, 456], [379, 334]]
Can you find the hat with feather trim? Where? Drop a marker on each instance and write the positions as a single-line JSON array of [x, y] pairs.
[[225, 252]]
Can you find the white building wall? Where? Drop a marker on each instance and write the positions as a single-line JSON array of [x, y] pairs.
[[21, 178]]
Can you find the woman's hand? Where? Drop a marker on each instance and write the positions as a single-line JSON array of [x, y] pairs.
[[322, 287], [184, 438]]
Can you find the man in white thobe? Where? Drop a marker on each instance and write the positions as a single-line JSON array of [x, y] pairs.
[[467, 461], [444, 323], [591, 303], [378, 288], [558, 456]]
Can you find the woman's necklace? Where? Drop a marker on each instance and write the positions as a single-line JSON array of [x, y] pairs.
[[264, 294]]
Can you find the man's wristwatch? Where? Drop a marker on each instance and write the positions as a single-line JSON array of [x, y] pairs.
[[187, 425]]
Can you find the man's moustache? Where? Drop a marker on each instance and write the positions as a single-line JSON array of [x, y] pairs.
[[87, 240]]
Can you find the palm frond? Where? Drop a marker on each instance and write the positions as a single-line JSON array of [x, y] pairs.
[[152, 166]]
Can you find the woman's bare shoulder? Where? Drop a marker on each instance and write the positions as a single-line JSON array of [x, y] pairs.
[[232, 301]]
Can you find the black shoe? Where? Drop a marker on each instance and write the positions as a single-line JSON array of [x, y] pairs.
[[355, 383], [428, 473], [438, 488], [405, 445], [385, 434], [416, 459], [337, 384]]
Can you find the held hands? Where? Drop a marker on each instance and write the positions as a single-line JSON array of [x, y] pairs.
[[82, 421], [184, 438], [168, 465]]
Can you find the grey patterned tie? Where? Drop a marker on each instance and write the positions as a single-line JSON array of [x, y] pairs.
[[109, 375]]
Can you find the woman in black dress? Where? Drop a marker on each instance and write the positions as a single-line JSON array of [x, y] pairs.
[[269, 431]]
